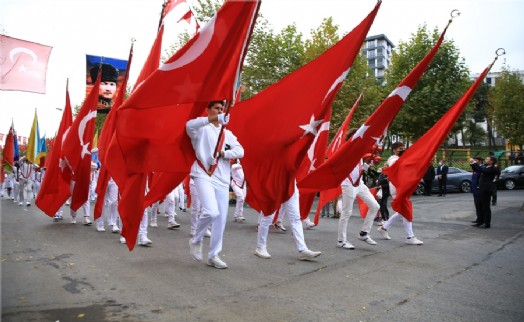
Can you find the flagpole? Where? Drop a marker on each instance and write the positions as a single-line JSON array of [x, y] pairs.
[[228, 103], [162, 14]]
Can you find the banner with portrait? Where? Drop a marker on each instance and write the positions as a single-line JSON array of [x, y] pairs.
[[113, 73]]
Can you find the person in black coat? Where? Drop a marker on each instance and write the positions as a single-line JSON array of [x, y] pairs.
[[429, 176], [442, 174], [485, 186]]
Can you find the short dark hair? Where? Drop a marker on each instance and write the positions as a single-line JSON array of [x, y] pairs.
[[478, 159], [397, 145], [210, 105], [493, 158]]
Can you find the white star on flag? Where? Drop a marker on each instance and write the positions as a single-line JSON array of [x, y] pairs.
[[360, 132], [311, 127]]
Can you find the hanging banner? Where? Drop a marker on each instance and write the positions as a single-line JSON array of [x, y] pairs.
[[113, 73]]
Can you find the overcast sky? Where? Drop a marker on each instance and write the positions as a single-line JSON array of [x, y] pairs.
[[75, 28]]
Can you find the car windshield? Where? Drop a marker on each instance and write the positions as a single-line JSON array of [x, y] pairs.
[[513, 169]]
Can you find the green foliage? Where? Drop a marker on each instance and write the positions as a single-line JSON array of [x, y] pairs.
[[443, 83], [507, 102], [474, 133]]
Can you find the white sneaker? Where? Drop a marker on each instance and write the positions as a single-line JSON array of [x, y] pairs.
[[278, 225], [195, 250], [173, 225], [144, 241], [216, 262], [262, 253], [309, 224], [153, 224], [28, 204], [100, 229], [307, 255], [367, 239], [345, 245], [19, 203], [414, 241], [115, 229], [67, 202], [384, 233], [122, 240], [240, 219], [87, 221], [207, 233], [73, 220]]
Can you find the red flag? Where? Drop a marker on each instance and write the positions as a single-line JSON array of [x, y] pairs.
[[206, 68], [328, 195], [8, 153], [182, 11], [23, 65], [55, 186], [406, 172], [76, 149], [105, 137], [335, 169], [272, 158]]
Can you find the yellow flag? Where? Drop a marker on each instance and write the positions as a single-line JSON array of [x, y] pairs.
[[32, 145]]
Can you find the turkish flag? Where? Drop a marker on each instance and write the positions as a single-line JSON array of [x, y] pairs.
[[406, 172], [76, 149], [55, 189], [23, 65], [277, 126], [8, 153], [105, 137], [328, 195], [334, 170], [207, 68]]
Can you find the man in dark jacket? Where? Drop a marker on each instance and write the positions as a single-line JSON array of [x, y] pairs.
[[429, 176], [487, 175], [442, 173]]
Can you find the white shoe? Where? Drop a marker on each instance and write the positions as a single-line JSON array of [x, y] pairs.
[[173, 225], [216, 262], [262, 253], [28, 204], [367, 239], [67, 202], [100, 229], [207, 233], [122, 240], [279, 226], [240, 219], [73, 220], [144, 241], [345, 245], [195, 250], [19, 203], [414, 241], [153, 224], [87, 221], [115, 229], [307, 255], [309, 224], [384, 233]]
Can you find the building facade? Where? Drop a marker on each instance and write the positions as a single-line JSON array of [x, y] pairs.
[[378, 50]]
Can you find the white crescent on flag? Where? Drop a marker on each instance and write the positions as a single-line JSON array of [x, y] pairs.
[[196, 49], [81, 130]]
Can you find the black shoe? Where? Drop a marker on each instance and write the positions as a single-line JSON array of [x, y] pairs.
[[485, 226], [474, 222], [477, 224]]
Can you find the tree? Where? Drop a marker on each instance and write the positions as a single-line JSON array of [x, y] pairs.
[[473, 132], [443, 83], [507, 101]]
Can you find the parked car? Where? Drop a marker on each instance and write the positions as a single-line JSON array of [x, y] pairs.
[[511, 177], [458, 179]]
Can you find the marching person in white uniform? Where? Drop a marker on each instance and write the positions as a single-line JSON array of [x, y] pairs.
[[238, 184], [211, 175]]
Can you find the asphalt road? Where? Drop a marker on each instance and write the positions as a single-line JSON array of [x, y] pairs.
[[64, 272]]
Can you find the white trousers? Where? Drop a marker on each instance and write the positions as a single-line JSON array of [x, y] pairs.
[[170, 205], [196, 207], [349, 194], [25, 190], [408, 225], [110, 212], [241, 196], [181, 196], [142, 230], [291, 209], [214, 199]]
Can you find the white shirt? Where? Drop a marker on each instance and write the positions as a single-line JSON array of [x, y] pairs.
[[238, 174], [204, 137]]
